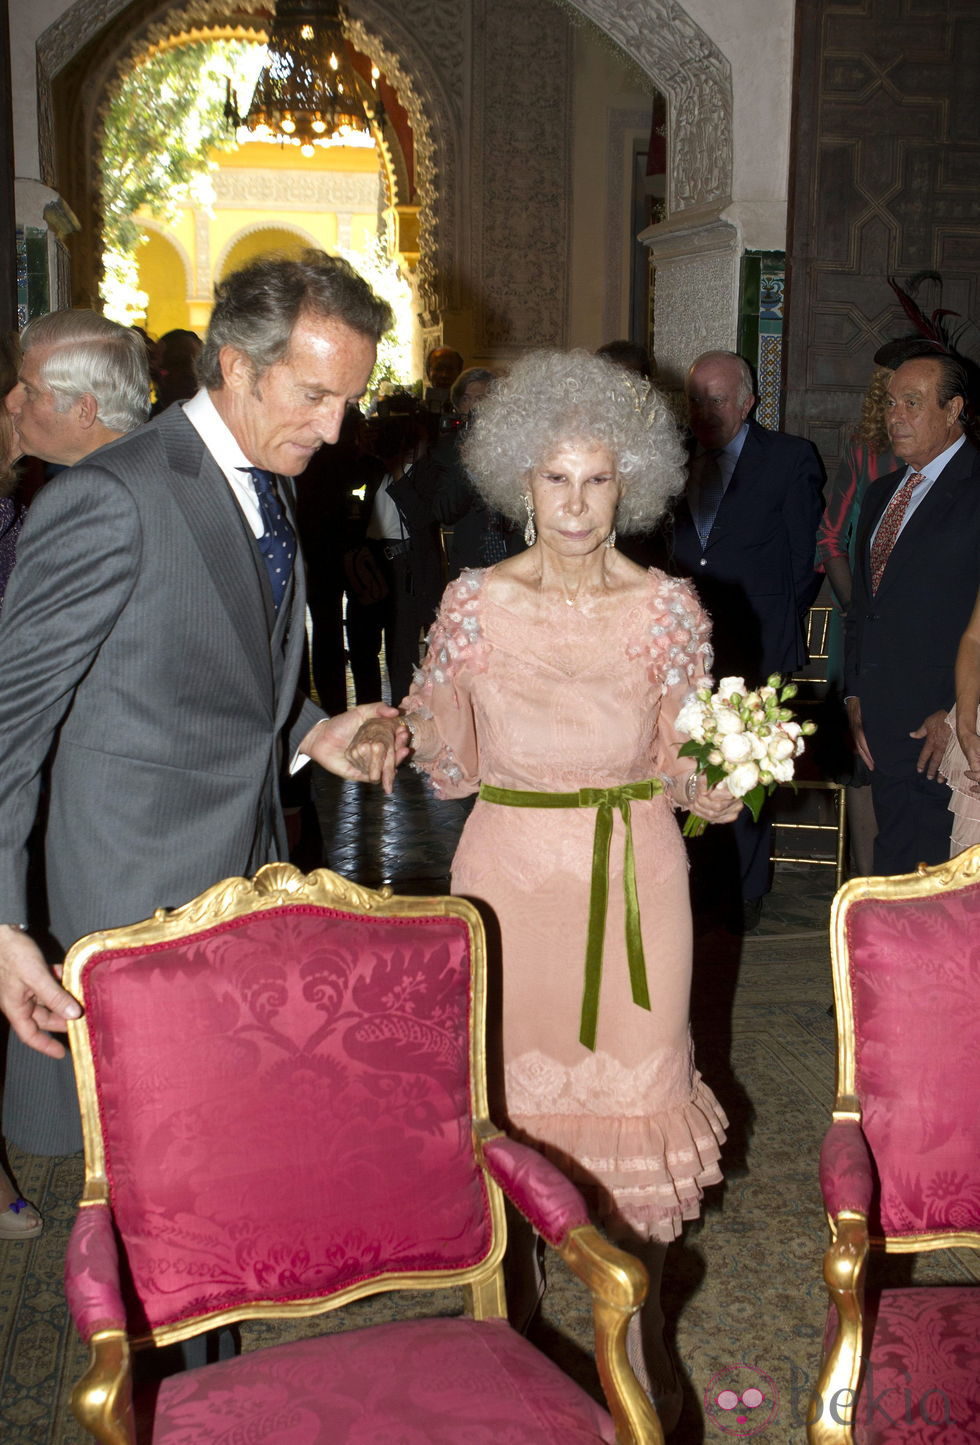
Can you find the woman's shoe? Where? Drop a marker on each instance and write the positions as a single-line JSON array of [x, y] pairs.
[[18, 1219]]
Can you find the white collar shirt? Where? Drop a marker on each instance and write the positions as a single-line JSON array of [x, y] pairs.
[[214, 432]]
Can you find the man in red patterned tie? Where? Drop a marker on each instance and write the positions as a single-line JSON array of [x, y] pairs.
[[916, 579]]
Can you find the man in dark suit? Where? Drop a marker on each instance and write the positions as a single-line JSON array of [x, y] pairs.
[[917, 574], [150, 648], [744, 532]]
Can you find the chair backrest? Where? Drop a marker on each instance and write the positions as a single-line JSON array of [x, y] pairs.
[[906, 955], [279, 1086]]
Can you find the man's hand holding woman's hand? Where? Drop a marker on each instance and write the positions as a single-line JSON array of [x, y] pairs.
[[331, 744], [377, 748]]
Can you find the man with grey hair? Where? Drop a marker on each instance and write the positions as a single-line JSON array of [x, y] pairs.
[[150, 647], [83, 381], [744, 532]]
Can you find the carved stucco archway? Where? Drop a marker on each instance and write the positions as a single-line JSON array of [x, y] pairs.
[[696, 252], [400, 40], [401, 37], [696, 79]]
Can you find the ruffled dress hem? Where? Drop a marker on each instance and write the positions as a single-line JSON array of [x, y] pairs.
[[645, 1173], [964, 805]]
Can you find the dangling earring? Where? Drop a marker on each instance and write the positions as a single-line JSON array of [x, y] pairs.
[[611, 539], [530, 530]]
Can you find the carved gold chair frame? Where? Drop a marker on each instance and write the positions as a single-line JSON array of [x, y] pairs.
[[846, 1259], [102, 1400]]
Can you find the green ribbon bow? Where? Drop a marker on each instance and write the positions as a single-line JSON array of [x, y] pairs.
[[603, 800]]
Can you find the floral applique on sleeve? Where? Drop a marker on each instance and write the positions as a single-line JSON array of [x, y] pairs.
[[439, 704], [679, 657]]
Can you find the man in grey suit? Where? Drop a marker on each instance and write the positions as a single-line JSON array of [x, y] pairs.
[[150, 648]]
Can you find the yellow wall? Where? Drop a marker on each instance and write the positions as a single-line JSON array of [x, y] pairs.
[[249, 237], [163, 277], [218, 240]]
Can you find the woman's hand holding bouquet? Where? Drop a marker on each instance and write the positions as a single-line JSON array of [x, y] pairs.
[[746, 739]]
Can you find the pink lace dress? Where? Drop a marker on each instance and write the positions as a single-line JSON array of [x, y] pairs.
[[577, 700]]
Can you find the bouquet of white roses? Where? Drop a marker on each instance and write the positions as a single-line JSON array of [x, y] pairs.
[[747, 739]]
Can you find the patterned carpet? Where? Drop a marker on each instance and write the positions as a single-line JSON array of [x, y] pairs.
[[742, 1289]]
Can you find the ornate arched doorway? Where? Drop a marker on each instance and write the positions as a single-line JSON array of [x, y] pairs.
[[427, 50]]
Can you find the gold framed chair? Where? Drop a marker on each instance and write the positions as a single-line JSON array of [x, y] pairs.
[[283, 1088], [900, 1164]]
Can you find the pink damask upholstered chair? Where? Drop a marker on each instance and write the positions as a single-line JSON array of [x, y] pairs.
[[900, 1164], [284, 1105]]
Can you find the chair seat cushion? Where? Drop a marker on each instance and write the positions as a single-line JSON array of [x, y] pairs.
[[922, 1383], [418, 1383]]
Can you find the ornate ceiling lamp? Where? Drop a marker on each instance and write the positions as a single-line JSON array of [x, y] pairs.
[[308, 93]]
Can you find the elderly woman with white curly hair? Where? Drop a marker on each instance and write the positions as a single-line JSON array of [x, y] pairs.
[[551, 686]]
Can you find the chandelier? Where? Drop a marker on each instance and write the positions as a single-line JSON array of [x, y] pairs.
[[308, 93]]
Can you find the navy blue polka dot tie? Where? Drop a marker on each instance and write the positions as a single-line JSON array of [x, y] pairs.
[[278, 541]]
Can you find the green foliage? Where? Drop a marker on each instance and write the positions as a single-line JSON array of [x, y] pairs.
[[160, 126]]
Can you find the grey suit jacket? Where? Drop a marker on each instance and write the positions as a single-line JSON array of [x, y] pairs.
[[140, 655]]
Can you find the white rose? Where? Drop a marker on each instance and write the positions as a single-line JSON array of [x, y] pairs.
[[780, 748], [793, 728], [728, 685], [715, 758], [760, 747], [742, 779], [782, 771], [736, 747], [728, 722], [690, 720]]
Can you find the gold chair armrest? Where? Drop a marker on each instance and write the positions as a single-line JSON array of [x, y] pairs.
[[618, 1285], [831, 1413], [102, 1401]]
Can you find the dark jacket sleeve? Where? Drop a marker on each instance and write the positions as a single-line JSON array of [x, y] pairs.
[[802, 510]]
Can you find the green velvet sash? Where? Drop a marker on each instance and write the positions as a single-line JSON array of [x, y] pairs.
[[603, 800]]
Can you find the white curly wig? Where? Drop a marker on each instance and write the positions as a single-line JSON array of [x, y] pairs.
[[553, 399]]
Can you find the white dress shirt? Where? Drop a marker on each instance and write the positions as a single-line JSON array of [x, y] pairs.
[[210, 426]]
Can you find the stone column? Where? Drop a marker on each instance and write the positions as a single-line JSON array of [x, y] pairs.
[[696, 255]]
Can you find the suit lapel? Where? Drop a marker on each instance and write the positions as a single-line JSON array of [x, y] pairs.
[[218, 528], [750, 460], [295, 601]]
